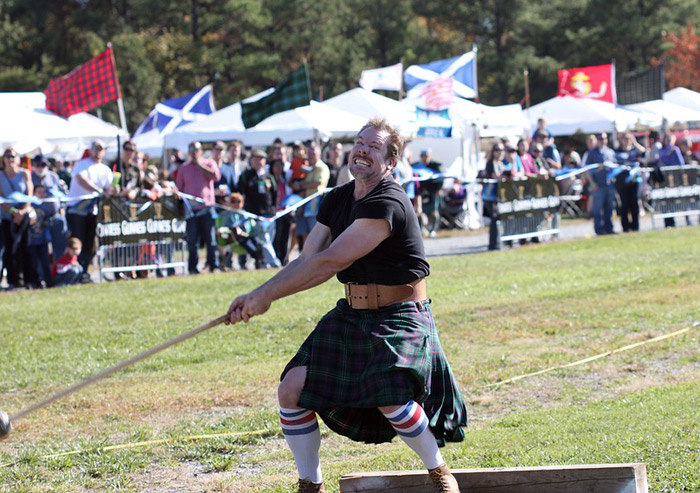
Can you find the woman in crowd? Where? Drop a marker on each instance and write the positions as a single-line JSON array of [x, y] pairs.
[[526, 158], [283, 227], [15, 220], [492, 173], [629, 182]]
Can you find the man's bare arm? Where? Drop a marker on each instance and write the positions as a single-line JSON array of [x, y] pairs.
[[86, 182], [320, 260]]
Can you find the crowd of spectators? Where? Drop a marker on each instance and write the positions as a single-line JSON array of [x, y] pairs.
[[230, 193], [616, 184]]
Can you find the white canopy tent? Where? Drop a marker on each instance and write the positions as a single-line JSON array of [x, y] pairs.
[[307, 122], [671, 112], [503, 120], [29, 127], [684, 97], [567, 116], [368, 104]]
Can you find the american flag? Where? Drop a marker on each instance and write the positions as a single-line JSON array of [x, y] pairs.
[[438, 94], [85, 87]]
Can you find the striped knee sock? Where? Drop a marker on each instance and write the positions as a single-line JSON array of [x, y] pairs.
[[411, 424], [300, 428]]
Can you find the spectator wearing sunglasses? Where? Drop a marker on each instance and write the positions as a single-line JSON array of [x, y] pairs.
[[14, 225]]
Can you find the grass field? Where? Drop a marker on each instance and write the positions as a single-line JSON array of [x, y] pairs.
[[211, 401]]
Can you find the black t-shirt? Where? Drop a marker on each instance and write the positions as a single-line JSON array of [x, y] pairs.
[[260, 192], [399, 259]]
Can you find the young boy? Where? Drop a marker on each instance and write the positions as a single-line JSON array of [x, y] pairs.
[[66, 270], [235, 234], [39, 238]]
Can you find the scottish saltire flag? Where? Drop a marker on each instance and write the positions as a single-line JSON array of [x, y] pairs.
[[461, 69], [387, 78], [173, 113]]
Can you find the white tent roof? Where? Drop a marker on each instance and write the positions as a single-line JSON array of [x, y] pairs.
[[368, 104], [684, 97], [503, 120], [567, 116], [306, 122], [28, 127], [671, 112]]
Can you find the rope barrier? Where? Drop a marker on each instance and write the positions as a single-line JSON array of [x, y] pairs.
[[146, 443], [593, 358], [259, 432]]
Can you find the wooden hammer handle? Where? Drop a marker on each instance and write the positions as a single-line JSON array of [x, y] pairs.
[[119, 366]]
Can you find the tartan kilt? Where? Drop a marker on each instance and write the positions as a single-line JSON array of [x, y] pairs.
[[359, 360]]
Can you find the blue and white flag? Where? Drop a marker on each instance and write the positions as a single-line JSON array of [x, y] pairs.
[[173, 113], [461, 69], [387, 78]]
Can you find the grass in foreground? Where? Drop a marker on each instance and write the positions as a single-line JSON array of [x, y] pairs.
[[499, 315]]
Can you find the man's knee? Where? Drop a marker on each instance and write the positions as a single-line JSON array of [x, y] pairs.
[[389, 409], [290, 388]]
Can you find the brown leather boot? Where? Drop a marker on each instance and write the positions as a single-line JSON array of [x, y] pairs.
[[443, 480], [306, 486]]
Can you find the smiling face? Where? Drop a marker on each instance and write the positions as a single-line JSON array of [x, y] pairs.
[[368, 158], [313, 153]]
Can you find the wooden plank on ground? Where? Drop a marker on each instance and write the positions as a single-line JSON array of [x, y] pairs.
[[598, 478]]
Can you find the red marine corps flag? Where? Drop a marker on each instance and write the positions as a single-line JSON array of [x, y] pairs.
[[85, 87], [595, 82]]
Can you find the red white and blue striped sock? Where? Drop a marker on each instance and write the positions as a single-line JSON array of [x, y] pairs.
[[411, 424], [300, 428]]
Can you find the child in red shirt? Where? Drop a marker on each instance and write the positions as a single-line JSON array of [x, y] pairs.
[[66, 270]]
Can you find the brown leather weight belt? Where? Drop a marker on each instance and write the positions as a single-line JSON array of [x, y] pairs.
[[373, 296]]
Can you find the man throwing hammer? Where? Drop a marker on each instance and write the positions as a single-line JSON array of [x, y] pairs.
[[373, 367]]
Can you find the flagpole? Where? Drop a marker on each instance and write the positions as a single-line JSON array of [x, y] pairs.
[[308, 78], [401, 85], [475, 49], [526, 78], [120, 102], [122, 114], [613, 92]]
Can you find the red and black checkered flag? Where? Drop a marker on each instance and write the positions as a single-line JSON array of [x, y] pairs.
[[86, 86]]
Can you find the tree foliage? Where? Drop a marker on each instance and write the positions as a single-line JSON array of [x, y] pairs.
[[683, 58], [165, 48]]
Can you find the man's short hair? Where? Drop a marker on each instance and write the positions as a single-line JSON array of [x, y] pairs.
[[394, 147], [129, 143], [97, 143], [74, 243], [235, 143]]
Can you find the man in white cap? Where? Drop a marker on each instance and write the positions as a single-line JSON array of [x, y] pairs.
[[91, 178]]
